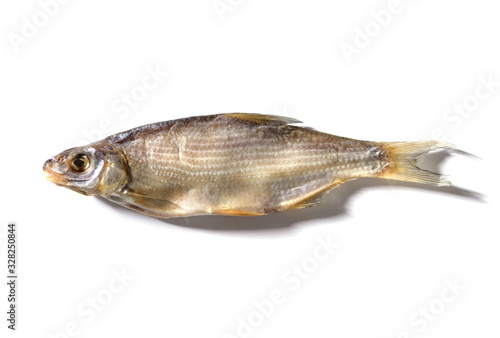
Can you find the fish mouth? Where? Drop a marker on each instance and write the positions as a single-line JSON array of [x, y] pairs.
[[57, 177], [52, 175]]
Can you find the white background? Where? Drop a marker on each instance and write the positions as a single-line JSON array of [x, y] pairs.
[[400, 245]]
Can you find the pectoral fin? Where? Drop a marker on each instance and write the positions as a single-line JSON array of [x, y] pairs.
[[150, 206], [150, 203]]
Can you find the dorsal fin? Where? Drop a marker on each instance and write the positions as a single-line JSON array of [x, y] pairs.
[[263, 119]]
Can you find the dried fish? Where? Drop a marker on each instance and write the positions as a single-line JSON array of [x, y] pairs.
[[230, 164]]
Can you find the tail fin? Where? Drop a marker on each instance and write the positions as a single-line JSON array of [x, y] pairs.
[[402, 162]]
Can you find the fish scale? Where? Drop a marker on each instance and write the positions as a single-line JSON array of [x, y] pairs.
[[302, 161]]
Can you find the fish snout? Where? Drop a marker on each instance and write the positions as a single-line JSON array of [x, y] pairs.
[[52, 169], [47, 165]]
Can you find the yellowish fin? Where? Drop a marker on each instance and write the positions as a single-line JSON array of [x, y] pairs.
[[402, 162]]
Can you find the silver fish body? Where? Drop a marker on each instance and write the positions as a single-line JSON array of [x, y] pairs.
[[230, 164]]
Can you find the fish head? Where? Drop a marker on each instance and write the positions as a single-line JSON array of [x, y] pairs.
[[95, 169]]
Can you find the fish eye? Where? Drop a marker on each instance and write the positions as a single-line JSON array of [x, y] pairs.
[[79, 163]]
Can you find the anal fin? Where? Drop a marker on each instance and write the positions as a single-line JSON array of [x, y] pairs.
[[231, 212], [315, 198], [310, 202]]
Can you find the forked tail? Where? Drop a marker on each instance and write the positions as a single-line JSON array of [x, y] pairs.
[[401, 159]]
